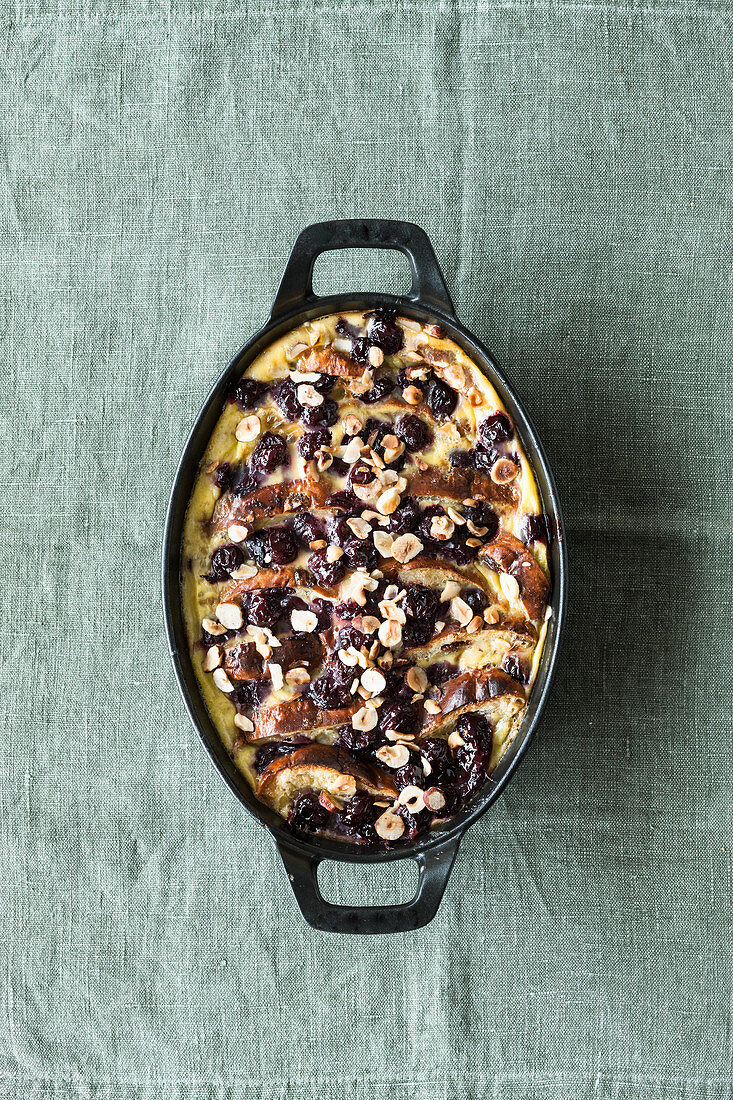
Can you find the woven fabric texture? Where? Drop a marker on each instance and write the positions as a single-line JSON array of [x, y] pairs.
[[572, 165]]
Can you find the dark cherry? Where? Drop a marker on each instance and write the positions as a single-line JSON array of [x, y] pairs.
[[462, 460], [383, 332], [495, 429], [333, 688], [257, 548], [516, 668], [439, 672], [326, 573], [223, 475], [414, 823], [405, 519], [260, 610], [243, 482], [338, 467], [224, 560], [408, 776], [442, 399], [308, 528], [282, 545], [311, 442], [345, 500], [324, 383], [417, 632], [249, 695], [483, 515], [355, 740], [420, 602], [400, 716], [357, 818], [442, 766], [382, 388], [285, 601], [322, 610], [535, 528], [414, 433], [349, 635], [270, 751], [349, 609], [361, 474], [476, 599], [327, 413], [345, 328], [472, 758], [270, 452], [285, 396], [360, 349], [360, 553], [249, 392], [306, 812]]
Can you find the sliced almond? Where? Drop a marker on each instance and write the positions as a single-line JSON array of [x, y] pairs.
[[309, 396], [222, 681], [212, 658], [373, 680], [417, 679], [389, 826], [276, 675], [406, 547], [412, 395], [365, 719], [237, 532], [229, 615], [242, 722], [509, 586], [304, 621], [248, 428], [394, 756]]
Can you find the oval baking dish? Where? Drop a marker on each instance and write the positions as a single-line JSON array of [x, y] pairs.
[[295, 303]]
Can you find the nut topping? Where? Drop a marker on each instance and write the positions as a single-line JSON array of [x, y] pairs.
[[373, 680], [389, 826], [383, 542], [509, 586], [434, 799], [297, 676], [504, 471], [388, 502], [390, 633], [352, 424], [222, 681], [365, 719], [304, 621], [394, 756], [431, 707], [212, 659], [461, 611], [237, 532], [242, 722], [276, 675], [230, 615], [211, 626], [411, 797], [406, 547], [360, 527], [309, 396], [248, 428], [412, 395], [417, 679], [441, 528]]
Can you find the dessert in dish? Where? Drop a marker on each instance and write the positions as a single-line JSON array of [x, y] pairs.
[[365, 577]]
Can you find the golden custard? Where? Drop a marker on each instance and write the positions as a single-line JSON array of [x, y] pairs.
[[366, 579]]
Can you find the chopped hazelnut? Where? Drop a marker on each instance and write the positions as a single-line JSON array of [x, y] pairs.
[[212, 659], [308, 395], [434, 799], [406, 547], [411, 797], [394, 756], [412, 395], [365, 719], [509, 586], [461, 611], [504, 471], [360, 527], [305, 621], [373, 680], [248, 428], [222, 681], [431, 707], [390, 633], [297, 676], [229, 615], [389, 826], [417, 679], [242, 722]]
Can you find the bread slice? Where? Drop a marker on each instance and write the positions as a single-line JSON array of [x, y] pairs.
[[506, 554], [321, 768]]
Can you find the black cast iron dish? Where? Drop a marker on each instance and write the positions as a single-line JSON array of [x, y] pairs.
[[295, 303]]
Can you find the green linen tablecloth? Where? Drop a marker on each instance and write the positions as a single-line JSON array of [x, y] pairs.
[[572, 164]]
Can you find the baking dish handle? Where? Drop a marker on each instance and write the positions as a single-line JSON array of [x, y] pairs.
[[296, 285], [434, 867]]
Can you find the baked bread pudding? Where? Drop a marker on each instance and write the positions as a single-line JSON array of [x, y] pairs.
[[365, 577]]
